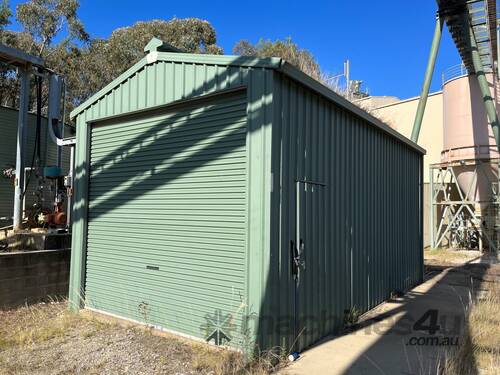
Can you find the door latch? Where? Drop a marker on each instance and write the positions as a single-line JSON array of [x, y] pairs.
[[301, 260], [297, 258]]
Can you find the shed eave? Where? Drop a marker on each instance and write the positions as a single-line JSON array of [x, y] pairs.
[[109, 87]]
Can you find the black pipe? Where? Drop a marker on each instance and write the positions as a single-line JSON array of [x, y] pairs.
[[37, 149], [38, 115]]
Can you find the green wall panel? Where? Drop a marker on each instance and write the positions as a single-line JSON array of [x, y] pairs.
[[361, 230]]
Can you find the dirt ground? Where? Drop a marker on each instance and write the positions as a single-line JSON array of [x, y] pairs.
[[441, 256], [47, 339]]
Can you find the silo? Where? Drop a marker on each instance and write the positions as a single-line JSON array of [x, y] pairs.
[[469, 146], [467, 135]]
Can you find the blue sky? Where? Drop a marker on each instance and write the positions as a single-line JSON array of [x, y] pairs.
[[387, 41]]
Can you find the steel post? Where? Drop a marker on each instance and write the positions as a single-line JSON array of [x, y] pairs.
[[22, 134], [498, 49], [483, 84], [431, 208], [427, 79]]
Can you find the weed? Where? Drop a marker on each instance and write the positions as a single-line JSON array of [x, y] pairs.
[[395, 294], [225, 361], [351, 316], [479, 348]]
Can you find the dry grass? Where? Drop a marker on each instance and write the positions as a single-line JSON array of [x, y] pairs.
[[29, 325], [222, 362], [479, 349], [443, 255], [48, 339]]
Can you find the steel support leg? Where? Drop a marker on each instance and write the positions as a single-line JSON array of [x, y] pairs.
[[432, 208], [22, 134], [428, 78]]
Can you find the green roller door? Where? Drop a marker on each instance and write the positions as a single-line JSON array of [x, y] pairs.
[[167, 216]]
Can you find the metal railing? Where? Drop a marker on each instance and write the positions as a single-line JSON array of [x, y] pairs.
[[453, 72]]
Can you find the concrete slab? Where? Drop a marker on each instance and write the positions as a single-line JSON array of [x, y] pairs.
[[404, 336]]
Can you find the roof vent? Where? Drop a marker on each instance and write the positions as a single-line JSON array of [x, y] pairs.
[[157, 45]]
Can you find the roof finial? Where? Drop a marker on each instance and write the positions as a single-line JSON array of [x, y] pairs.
[[157, 45]]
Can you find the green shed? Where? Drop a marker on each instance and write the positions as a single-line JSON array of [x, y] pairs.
[[237, 200]]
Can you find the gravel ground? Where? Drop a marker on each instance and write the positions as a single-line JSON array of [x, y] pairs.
[[46, 339]]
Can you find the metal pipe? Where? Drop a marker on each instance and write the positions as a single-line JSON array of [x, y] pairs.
[[38, 142], [22, 134], [54, 112], [483, 83], [417, 124], [69, 188], [24, 186], [60, 148]]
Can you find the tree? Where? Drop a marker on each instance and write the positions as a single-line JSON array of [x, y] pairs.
[[5, 14], [6, 75], [42, 21], [105, 59], [87, 64], [286, 49], [291, 52]]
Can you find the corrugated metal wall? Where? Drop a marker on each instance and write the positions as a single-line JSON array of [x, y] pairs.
[[8, 131], [361, 231]]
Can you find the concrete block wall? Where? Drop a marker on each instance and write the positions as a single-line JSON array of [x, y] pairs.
[[33, 276]]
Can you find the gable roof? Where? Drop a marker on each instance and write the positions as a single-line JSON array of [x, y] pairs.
[[155, 56], [275, 63]]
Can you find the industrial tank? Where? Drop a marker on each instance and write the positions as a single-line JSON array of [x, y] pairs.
[[468, 138]]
